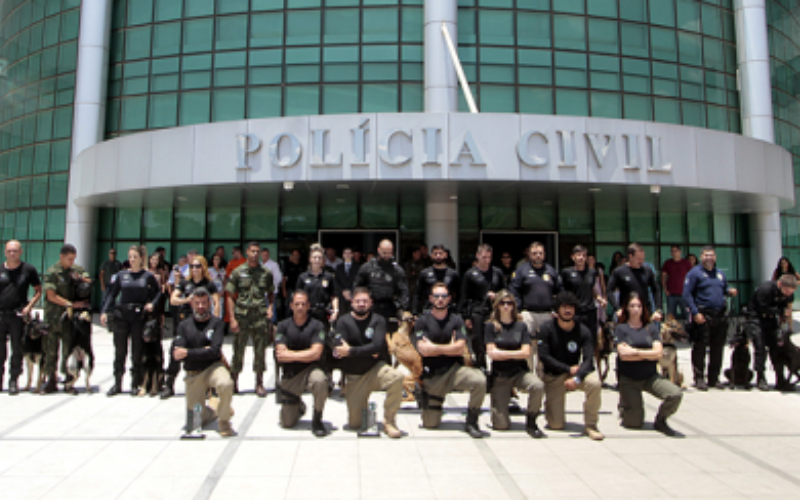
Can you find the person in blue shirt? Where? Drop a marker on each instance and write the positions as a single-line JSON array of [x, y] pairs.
[[705, 291]]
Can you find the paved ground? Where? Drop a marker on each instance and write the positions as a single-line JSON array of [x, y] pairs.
[[737, 444]]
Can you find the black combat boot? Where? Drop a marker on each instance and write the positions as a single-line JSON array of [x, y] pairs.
[[317, 427], [50, 387], [235, 377], [700, 381], [136, 384], [532, 428], [169, 388], [661, 426], [1, 383], [261, 391], [471, 427], [762, 382], [13, 389], [116, 388]]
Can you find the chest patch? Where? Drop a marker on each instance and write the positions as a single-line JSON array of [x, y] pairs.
[[209, 334], [572, 346], [546, 277], [369, 333], [325, 283]]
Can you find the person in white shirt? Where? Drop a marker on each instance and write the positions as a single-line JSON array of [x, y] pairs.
[[277, 276]]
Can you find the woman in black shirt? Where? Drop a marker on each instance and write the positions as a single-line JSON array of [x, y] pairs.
[[139, 293], [198, 277], [319, 284], [508, 344], [639, 348]]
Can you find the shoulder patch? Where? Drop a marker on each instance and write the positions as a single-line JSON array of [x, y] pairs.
[[322, 334]]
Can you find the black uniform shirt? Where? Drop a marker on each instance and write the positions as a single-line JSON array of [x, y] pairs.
[[187, 287], [641, 280], [387, 284], [474, 288], [534, 287], [639, 338], [560, 349], [366, 337], [439, 332], [299, 338], [769, 300], [138, 288], [292, 271], [320, 288], [203, 340], [429, 277], [14, 285], [511, 337], [581, 283]]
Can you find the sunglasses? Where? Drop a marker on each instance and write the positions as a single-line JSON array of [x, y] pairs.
[[195, 266], [440, 295], [508, 303]]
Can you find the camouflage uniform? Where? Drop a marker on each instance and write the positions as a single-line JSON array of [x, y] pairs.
[[57, 278], [252, 284]]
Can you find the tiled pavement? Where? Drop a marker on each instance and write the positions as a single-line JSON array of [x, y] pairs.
[[737, 444]]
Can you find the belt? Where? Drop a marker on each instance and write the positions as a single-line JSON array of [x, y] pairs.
[[713, 312]]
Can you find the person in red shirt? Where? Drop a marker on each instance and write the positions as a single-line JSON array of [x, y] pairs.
[[673, 274]]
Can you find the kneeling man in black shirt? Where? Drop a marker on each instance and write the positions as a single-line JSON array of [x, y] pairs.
[[361, 346], [299, 343], [440, 338], [566, 350], [198, 344]]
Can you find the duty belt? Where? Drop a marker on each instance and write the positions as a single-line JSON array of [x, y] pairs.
[[711, 312]]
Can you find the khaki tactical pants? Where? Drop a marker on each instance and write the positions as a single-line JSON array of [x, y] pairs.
[[311, 379], [501, 396], [534, 322], [631, 405], [458, 378], [215, 376], [253, 325], [555, 392], [381, 377]]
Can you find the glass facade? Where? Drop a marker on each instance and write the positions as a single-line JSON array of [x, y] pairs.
[[38, 55], [783, 18], [183, 62], [671, 61]]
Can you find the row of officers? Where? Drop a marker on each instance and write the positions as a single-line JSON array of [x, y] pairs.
[[534, 288]]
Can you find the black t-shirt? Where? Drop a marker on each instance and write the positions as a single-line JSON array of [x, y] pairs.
[[203, 340], [439, 332], [534, 287], [639, 338], [429, 277], [137, 288], [511, 337], [769, 300], [299, 338], [641, 280], [292, 271], [475, 286], [14, 285], [559, 349], [320, 288], [366, 337], [187, 287], [581, 283]]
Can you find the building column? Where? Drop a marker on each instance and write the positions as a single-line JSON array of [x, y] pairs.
[[88, 124], [441, 216], [441, 82], [752, 47]]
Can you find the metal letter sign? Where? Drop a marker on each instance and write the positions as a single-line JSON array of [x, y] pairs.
[[246, 144]]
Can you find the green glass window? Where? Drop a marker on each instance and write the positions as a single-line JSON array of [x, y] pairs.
[[380, 25], [700, 227], [499, 211], [165, 74], [228, 105], [533, 29], [137, 43], [633, 10], [606, 105], [166, 39], [134, 113], [157, 223], [128, 223], [266, 30], [538, 214], [56, 222], [261, 222], [230, 32], [664, 44], [572, 102], [224, 222], [195, 108], [690, 49], [341, 26], [190, 222], [673, 227], [642, 223], [57, 195], [198, 35], [167, 10], [379, 209], [496, 27], [199, 7], [301, 100], [303, 27], [299, 212], [603, 36], [688, 15], [574, 214], [662, 12], [339, 210], [609, 217], [570, 32], [163, 110], [339, 99], [264, 102]]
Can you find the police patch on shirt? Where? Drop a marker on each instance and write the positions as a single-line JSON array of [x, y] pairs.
[[325, 283], [209, 334], [546, 277], [322, 334], [572, 346], [369, 333], [719, 276], [420, 334]]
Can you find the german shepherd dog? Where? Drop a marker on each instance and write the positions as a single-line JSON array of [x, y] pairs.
[[603, 349], [152, 359], [81, 355], [740, 374], [33, 351], [671, 331], [788, 359]]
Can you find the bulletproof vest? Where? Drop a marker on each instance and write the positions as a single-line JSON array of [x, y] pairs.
[[382, 283]]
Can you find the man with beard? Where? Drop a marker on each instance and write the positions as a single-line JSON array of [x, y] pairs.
[[440, 338], [634, 276], [771, 305], [198, 344], [567, 352], [582, 282], [437, 273], [360, 342], [704, 292], [299, 343], [387, 284], [477, 294]]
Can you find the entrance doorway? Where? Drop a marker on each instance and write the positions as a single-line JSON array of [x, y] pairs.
[[517, 242], [364, 240]]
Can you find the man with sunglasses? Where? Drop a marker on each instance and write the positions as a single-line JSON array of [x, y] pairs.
[[437, 273], [440, 338], [477, 293]]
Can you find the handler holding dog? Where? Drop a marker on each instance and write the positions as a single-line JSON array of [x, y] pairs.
[[704, 291], [771, 304], [16, 277], [59, 292]]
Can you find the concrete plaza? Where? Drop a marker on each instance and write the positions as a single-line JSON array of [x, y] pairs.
[[736, 444]]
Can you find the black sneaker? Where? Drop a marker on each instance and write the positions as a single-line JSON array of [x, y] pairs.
[[701, 385], [661, 426], [762, 385]]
